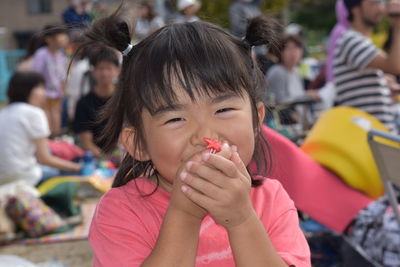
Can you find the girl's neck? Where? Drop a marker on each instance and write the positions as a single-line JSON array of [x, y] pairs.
[[166, 186]]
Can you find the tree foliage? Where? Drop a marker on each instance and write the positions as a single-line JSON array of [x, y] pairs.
[[216, 11], [314, 15]]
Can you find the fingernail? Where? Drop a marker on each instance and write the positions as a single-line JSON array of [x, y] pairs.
[[189, 165], [225, 146], [184, 188], [234, 148], [205, 155], [183, 175]]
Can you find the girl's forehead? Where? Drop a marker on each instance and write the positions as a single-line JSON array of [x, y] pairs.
[[203, 95]]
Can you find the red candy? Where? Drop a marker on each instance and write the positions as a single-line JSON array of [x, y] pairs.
[[213, 144]]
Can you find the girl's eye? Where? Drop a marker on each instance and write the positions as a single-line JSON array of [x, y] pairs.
[[175, 120], [222, 110]]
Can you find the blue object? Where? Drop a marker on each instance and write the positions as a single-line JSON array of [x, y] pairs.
[[88, 164], [9, 60]]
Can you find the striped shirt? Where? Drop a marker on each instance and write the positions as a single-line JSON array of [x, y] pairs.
[[357, 85]]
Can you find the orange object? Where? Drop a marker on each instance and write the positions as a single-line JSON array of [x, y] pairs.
[[213, 144]]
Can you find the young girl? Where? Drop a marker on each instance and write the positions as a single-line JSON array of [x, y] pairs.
[[51, 62], [174, 203]]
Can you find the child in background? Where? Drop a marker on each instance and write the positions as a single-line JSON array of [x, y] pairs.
[[187, 11], [174, 203], [24, 149], [147, 22], [51, 62], [106, 67]]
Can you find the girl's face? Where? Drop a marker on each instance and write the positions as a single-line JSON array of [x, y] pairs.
[[37, 97], [175, 133], [58, 41], [291, 54]]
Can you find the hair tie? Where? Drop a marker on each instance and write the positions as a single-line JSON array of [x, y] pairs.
[[127, 50], [246, 42]]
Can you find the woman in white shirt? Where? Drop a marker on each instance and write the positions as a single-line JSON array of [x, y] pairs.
[[24, 133]]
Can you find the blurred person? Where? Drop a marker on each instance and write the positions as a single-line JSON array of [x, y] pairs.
[[283, 80], [106, 68], [25, 154], [35, 42], [147, 22], [341, 26], [165, 9], [79, 79], [77, 15], [51, 62], [187, 11], [99, 10], [359, 66], [240, 11]]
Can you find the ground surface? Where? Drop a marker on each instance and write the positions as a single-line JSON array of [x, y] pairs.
[[72, 253]]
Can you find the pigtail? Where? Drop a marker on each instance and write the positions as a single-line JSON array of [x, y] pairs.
[[263, 30], [112, 31], [115, 32]]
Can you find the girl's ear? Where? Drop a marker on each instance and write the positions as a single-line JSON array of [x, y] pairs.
[[261, 112], [128, 141]]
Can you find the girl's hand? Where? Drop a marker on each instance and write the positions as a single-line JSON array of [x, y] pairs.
[[180, 201], [220, 184]]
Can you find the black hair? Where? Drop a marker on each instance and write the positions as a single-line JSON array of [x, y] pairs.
[[203, 58], [21, 85], [54, 29], [349, 6], [35, 42], [103, 54]]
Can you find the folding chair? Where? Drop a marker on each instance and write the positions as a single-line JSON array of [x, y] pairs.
[[387, 158]]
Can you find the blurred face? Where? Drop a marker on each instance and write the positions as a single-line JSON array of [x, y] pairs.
[[175, 133], [190, 10], [58, 41], [291, 54], [105, 73], [372, 11], [144, 12], [37, 97]]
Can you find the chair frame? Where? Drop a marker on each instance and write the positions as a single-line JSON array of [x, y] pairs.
[[377, 149]]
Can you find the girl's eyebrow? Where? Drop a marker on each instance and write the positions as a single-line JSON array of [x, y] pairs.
[[164, 109], [177, 107], [222, 98]]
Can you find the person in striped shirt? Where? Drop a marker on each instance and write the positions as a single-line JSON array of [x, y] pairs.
[[359, 66]]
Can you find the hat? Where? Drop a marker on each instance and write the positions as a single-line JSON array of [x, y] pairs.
[[351, 3], [182, 4]]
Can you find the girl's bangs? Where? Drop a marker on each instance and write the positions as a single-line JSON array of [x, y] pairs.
[[198, 60]]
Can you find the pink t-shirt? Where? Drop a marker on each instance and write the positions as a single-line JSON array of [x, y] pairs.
[[126, 224]]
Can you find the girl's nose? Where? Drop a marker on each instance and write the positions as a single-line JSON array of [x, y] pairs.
[[197, 138]]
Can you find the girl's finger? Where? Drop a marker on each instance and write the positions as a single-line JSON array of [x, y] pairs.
[[201, 185], [239, 163], [226, 151], [198, 198], [222, 164], [207, 172]]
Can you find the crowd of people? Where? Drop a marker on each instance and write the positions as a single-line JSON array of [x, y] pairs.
[[158, 89]]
